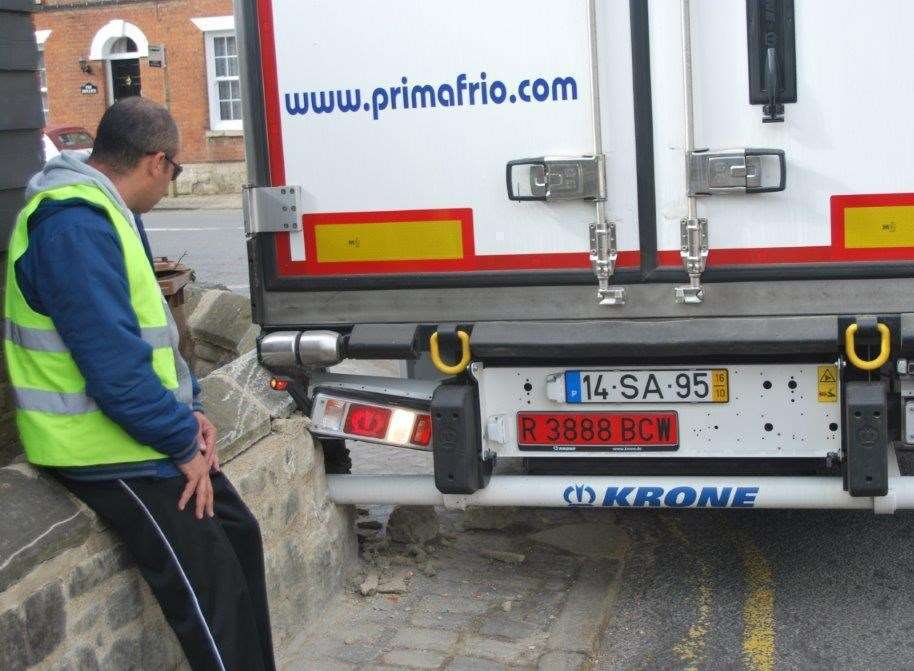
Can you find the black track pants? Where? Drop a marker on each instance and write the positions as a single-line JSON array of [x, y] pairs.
[[207, 574]]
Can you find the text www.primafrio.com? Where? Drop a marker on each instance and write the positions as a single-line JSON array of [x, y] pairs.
[[405, 96]]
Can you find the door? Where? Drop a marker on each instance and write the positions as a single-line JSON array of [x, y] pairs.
[[399, 119], [845, 132], [125, 78]]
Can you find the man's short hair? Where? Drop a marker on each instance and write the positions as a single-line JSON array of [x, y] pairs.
[[131, 129]]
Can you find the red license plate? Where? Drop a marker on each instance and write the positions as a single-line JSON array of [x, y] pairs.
[[596, 431]]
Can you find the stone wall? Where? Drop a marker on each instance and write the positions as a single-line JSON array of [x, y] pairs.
[[69, 596], [220, 325], [207, 179]]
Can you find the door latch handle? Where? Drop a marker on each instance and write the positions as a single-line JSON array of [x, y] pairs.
[[734, 171], [556, 178]]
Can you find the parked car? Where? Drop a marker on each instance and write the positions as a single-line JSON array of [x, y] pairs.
[[66, 138]]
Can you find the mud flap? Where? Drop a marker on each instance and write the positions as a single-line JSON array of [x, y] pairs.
[[459, 465], [866, 439]]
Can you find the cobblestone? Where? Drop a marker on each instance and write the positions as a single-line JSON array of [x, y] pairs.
[[499, 651], [424, 639], [464, 663], [415, 659]]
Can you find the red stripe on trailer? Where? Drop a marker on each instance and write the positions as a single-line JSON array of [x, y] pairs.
[[471, 261], [836, 252], [271, 92]]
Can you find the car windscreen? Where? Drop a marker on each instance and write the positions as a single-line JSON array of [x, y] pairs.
[[75, 140]]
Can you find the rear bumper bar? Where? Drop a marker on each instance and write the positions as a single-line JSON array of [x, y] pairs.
[[560, 491]]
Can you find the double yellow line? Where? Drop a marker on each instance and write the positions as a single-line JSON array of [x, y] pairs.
[[758, 608]]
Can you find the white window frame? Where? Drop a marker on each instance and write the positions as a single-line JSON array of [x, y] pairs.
[[45, 105], [41, 36], [216, 123]]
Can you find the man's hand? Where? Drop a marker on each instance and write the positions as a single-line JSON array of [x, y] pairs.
[[197, 473], [206, 439]]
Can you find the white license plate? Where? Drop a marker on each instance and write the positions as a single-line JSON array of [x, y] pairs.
[[691, 385]]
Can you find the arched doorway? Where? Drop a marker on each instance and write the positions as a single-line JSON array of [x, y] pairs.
[[121, 45], [123, 65]]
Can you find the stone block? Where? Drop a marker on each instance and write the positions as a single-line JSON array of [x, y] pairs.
[[218, 356], [414, 659], [195, 291], [254, 380], [499, 651], [241, 421], [45, 621], [223, 319], [413, 524], [464, 663], [124, 605], [96, 570], [558, 660], [125, 655], [425, 639], [81, 659], [13, 650], [39, 521]]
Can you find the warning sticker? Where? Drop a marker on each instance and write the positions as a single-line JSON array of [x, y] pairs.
[[720, 385], [827, 384]]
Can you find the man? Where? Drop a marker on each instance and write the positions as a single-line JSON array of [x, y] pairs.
[[104, 399]]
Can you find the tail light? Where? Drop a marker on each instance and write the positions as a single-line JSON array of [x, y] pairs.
[[373, 422]]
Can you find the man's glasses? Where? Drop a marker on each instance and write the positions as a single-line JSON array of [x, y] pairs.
[[178, 168]]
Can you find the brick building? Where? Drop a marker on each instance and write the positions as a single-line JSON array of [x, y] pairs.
[[98, 51]]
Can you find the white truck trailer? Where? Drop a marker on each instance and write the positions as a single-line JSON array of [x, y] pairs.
[[660, 252]]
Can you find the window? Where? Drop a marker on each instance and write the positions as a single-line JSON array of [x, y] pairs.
[[224, 80], [43, 83]]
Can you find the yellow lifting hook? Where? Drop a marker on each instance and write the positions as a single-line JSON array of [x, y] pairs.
[[461, 365], [884, 348]]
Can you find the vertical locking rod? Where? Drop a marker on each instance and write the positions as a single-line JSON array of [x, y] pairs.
[[603, 248], [693, 232]]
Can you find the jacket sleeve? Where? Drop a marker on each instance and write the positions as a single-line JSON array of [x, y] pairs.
[[198, 394], [79, 278]]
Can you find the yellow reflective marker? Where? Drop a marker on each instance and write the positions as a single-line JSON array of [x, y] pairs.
[[827, 384], [389, 241], [720, 385], [879, 227]]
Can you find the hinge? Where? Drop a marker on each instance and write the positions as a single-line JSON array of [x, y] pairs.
[[693, 248], [603, 255], [271, 209]]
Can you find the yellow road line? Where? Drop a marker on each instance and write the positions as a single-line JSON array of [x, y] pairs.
[[758, 610], [691, 647]]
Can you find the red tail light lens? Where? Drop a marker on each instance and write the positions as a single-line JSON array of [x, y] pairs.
[[367, 420], [278, 385], [422, 433]]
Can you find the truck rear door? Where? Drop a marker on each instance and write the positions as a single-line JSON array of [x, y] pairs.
[[400, 122]]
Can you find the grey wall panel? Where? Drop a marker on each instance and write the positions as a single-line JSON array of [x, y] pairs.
[[21, 108], [11, 201], [21, 156], [21, 119], [17, 42], [17, 5]]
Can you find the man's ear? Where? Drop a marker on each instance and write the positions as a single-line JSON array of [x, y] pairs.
[[153, 164]]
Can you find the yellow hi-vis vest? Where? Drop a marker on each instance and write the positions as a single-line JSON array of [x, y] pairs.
[[58, 423]]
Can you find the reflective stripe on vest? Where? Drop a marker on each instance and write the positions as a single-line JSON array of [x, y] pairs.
[[59, 424], [50, 341]]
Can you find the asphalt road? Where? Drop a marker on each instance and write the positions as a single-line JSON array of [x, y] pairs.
[[210, 241]]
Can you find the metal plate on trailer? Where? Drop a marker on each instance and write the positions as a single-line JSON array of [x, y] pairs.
[[774, 411]]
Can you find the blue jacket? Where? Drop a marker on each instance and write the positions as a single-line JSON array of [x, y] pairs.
[[73, 272]]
